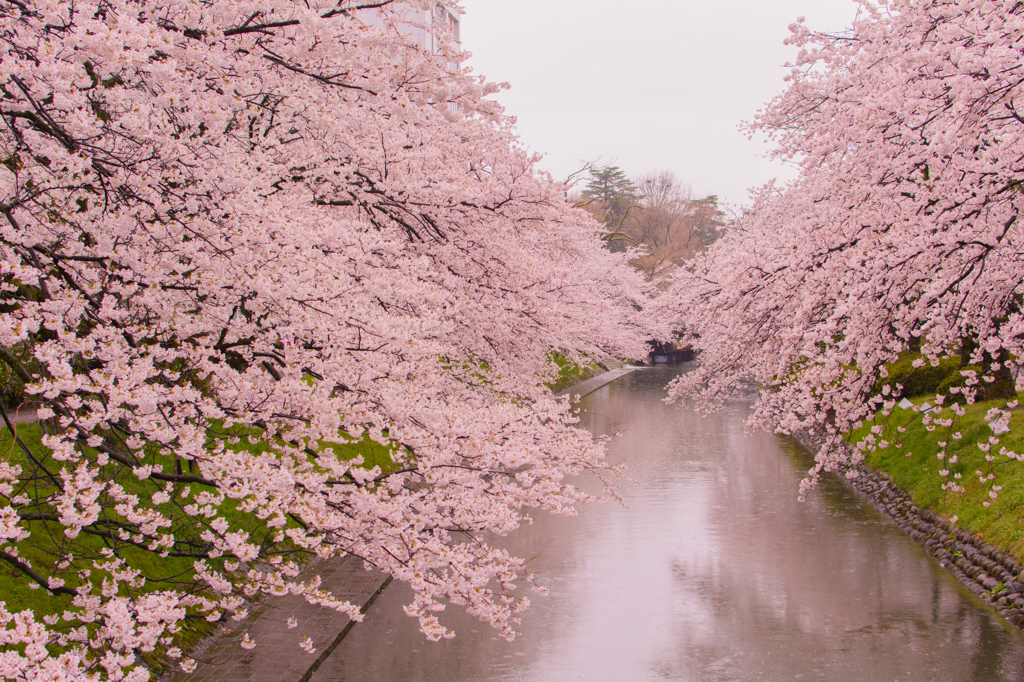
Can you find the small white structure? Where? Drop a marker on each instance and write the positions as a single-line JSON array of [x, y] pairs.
[[999, 426], [417, 23]]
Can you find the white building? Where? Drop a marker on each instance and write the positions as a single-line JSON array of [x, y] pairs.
[[417, 23]]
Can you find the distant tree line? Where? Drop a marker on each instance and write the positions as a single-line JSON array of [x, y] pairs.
[[656, 214]]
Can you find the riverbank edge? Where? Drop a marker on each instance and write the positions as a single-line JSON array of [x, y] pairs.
[[584, 388], [983, 569]]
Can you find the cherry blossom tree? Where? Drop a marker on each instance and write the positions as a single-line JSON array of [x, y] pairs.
[[244, 244], [900, 233]]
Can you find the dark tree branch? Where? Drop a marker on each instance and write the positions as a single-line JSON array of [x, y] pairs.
[[27, 570]]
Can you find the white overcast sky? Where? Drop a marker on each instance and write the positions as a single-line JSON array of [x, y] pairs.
[[645, 85]]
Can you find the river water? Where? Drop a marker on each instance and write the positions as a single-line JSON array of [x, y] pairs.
[[710, 570]]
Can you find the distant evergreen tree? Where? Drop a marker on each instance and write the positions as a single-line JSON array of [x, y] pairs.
[[610, 187]]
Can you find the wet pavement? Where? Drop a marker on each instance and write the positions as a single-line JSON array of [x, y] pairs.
[[585, 388], [22, 414], [277, 656]]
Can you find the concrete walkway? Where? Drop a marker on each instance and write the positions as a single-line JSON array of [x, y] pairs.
[[21, 415], [587, 387], [277, 656]]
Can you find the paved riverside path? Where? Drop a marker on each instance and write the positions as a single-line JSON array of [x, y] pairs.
[[587, 387], [22, 414], [277, 656]]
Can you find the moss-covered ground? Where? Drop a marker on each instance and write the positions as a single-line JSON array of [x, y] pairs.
[[570, 373]]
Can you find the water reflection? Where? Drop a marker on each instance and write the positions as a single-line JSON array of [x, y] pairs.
[[711, 570]]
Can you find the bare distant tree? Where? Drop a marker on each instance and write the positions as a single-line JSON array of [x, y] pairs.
[[671, 224]]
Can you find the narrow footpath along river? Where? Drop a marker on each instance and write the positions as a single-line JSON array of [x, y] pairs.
[[711, 570]]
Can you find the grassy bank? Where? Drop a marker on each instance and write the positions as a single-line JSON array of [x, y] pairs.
[[910, 457], [47, 547], [44, 550], [569, 373]]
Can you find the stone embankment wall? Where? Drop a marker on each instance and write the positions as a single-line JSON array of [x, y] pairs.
[[986, 571]]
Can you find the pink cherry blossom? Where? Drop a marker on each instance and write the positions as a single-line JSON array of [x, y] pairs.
[[901, 231], [278, 224]]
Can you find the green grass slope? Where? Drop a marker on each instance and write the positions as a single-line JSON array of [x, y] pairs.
[[910, 457]]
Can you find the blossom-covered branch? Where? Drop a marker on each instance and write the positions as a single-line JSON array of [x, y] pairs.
[[244, 246], [901, 234]]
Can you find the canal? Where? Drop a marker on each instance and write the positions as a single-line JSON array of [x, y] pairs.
[[710, 569]]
